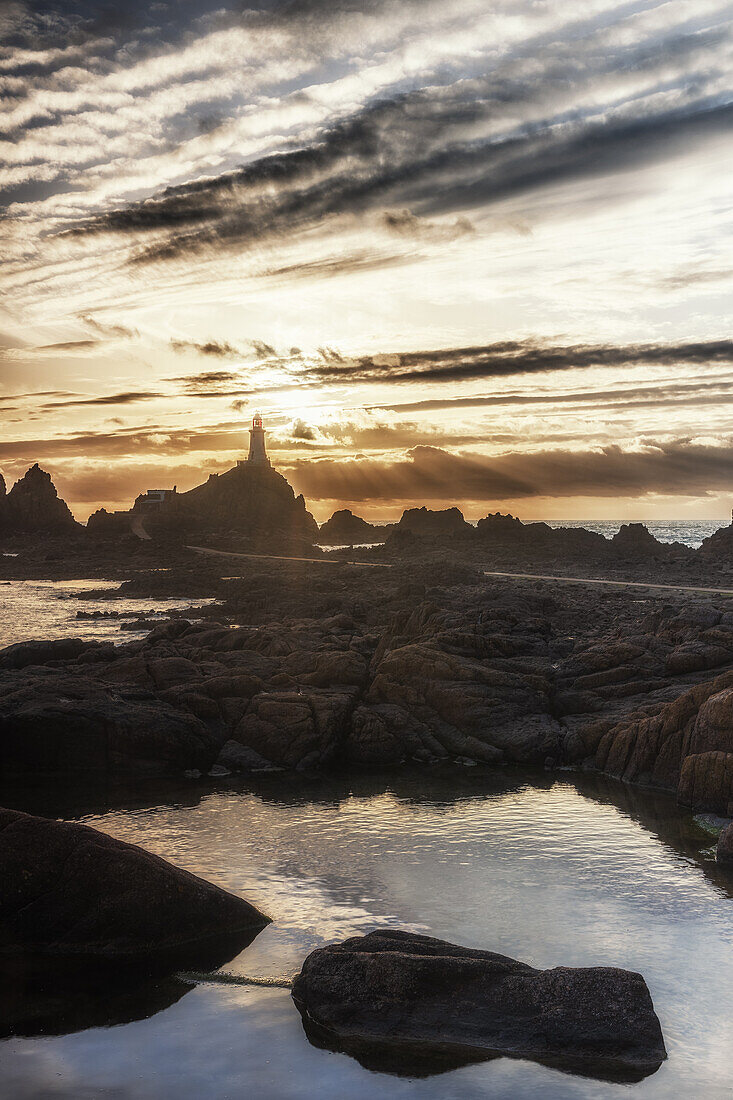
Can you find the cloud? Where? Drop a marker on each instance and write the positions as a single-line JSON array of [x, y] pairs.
[[300, 430], [131, 397], [403, 223], [677, 468], [514, 357], [67, 345], [714, 392], [130, 443], [328, 266], [34, 395], [219, 349], [263, 350], [206, 380], [448, 148], [109, 331]]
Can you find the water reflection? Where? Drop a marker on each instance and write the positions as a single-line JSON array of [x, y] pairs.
[[49, 609], [50, 995], [551, 869], [43, 998], [420, 1060], [439, 790]]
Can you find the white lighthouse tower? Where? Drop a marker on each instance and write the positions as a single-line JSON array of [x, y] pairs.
[[257, 452]]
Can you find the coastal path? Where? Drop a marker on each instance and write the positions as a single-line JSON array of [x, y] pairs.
[[615, 584], [283, 557], [553, 578]]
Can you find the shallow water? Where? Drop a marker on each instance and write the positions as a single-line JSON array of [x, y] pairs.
[[576, 871], [47, 609]]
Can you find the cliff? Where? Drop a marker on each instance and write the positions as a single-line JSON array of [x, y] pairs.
[[33, 507]]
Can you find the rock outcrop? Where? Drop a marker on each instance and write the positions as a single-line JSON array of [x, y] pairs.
[[33, 507], [718, 547], [503, 542], [424, 522], [64, 718], [404, 1002], [345, 529], [253, 505], [250, 500], [686, 747], [68, 890]]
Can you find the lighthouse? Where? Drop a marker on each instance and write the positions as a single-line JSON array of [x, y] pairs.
[[257, 452]]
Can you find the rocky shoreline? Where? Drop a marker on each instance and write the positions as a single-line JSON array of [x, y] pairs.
[[308, 666], [306, 661]]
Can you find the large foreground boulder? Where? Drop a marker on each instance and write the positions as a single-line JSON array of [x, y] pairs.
[[397, 1000], [68, 891]]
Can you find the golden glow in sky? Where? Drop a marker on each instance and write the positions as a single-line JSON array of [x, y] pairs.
[[474, 254]]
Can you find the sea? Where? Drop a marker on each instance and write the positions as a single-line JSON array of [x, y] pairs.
[[688, 532], [58, 609]]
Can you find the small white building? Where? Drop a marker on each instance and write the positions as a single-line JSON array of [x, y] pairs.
[[153, 498]]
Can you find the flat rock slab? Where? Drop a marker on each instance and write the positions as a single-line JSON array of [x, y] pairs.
[[69, 891], [406, 1003]]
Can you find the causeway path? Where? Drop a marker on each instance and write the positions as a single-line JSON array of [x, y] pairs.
[[283, 557], [552, 577], [615, 584], [138, 528]]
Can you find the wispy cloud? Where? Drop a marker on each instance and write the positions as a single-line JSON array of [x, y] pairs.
[[454, 147]]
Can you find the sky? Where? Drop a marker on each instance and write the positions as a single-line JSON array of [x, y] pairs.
[[474, 253]]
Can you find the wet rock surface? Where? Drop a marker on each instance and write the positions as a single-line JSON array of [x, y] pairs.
[[725, 847], [67, 891], [412, 1004]]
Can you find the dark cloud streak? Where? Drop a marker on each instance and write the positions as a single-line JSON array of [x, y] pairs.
[[677, 468], [130, 398], [419, 149], [513, 357]]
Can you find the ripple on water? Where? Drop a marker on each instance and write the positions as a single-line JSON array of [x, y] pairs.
[[47, 609]]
